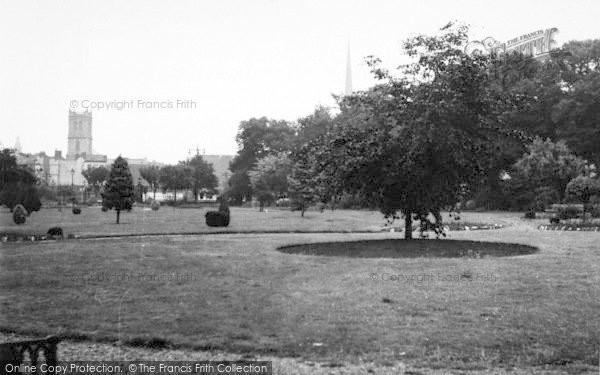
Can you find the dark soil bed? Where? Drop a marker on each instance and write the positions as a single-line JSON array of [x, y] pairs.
[[411, 249]]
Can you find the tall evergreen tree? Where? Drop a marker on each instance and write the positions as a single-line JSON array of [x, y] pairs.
[[118, 190]]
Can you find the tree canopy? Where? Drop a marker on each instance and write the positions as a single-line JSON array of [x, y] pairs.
[[269, 178], [420, 138], [18, 184], [256, 139], [202, 175]]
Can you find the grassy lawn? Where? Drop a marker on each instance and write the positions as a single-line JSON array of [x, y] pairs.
[[238, 293], [92, 221]]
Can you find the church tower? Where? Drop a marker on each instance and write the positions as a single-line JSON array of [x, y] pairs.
[[80, 134]]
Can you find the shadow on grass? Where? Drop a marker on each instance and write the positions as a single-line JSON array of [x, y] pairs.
[[410, 249]]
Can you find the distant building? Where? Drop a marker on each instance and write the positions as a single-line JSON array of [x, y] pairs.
[[80, 135], [60, 169]]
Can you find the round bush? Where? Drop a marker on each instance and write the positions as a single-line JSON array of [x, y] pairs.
[[104, 209], [530, 214], [76, 210], [217, 219], [154, 205], [19, 214]]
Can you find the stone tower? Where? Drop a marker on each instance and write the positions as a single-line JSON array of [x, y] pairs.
[[80, 134]]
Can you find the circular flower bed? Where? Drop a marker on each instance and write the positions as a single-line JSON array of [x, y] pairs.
[[411, 249]]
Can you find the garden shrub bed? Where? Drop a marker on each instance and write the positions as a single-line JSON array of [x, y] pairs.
[[392, 248], [26, 237], [571, 227], [471, 226], [452, 226]]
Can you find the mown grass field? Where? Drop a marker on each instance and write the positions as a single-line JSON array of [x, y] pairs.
[[92, 221], [237, 293]]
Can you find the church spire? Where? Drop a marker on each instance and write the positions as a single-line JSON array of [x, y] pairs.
[[348, 90]]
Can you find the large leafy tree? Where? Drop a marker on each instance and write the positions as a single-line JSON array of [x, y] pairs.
[[203, 176], [424, 135], [314, 177], [118, 192], [18, 185], [546, 164], [256, 139], [96, 177], [313, 126], [152, 175], [176, 177], [579, 116], [269, 178]]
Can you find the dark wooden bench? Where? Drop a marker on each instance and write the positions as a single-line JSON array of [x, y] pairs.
[[13, 353]]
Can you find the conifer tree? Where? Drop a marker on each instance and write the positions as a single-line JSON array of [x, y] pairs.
[[118, 190]]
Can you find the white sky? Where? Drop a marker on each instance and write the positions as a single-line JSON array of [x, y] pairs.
[[235, 59]]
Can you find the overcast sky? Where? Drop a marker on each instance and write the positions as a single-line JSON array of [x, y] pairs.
[[234, 59]]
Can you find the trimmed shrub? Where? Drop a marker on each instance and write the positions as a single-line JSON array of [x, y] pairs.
[[32, 202], [19, 214], [55, 232], [530, 214], [104, 208], [595, 211], [554, 220], [76, 210], [217, 219], [569, 212], [154, 205]]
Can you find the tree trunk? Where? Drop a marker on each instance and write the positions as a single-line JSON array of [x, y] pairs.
[[303, 209], [175, 197], [408, 226], [118, 215], [154, 191]]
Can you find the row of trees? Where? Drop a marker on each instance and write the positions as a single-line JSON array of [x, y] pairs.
[[195, 174], [449, 127]]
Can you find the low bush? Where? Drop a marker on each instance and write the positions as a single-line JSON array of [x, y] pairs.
[[530, 214], [217, 219], [595, 211], [19, 214], [554, 220], [76, 210], [154, 205], [55, 232]]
